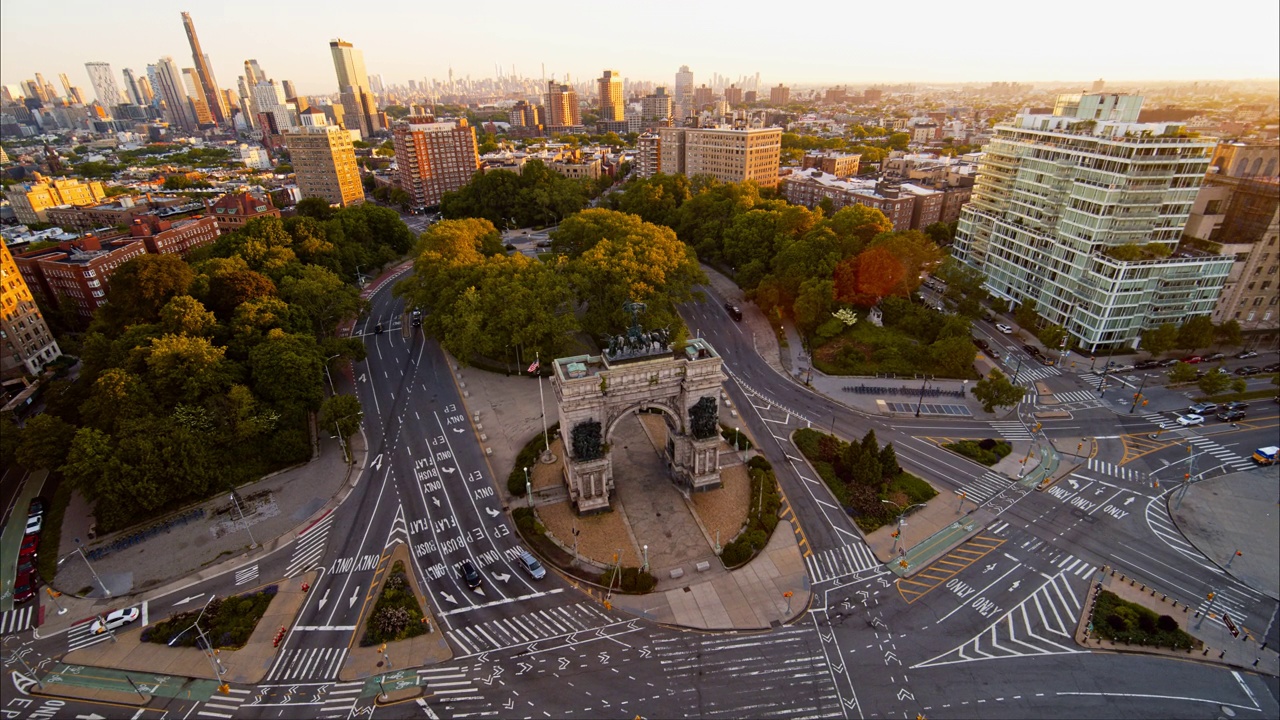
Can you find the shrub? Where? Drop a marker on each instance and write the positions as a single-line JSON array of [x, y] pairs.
[[987, 451], [732, 436], [396, 614], [1132, 623], [1166, 623], [526, 458]]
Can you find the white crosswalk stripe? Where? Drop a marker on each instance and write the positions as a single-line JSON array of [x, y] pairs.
[[1223, 455], [1030, 398], [1043, 624], [15, 621], [223, 706], [1011, 429], [308, 664], [1034, 372], [985, 486], [447, 683], [341, 697], [80, 636], [1075, 396], [840, 562], [309, 546], [1155, 417], [529, 627], [246, 575], [1103, 467]]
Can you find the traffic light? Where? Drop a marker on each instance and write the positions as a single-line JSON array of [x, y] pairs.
[[225, 688], [894, 534], [1210, 596]]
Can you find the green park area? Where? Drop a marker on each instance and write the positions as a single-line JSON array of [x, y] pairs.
[[864, 477]]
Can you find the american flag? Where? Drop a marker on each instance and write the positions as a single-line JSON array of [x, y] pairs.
[[534, 367]]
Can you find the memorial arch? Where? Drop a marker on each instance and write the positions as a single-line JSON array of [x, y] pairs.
[[638, 372]]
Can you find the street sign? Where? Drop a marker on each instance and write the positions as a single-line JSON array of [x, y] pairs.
[[1226, 620]]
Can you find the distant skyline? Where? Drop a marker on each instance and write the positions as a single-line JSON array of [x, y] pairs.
[[1001, 40]]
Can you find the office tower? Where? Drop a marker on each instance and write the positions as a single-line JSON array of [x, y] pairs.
[[656, 108], [272, 108], [729, 154], [66, 85], [169, 89], [289, 90], [74, 95], [434, 157], [561, 103], [780, 95], [684, 83], [197, 95], [144, 90], [357, 101], [1076, 213], [253, 72], [26, 343], [324, 161], [104, 84], [375, 84], [131, 88], [733, 95], [31, 91], [157, 98], [610, 89], [204, 75], [47, 92]]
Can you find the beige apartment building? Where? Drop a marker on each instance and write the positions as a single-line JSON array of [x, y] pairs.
[[728, 154], [324, 161], [434, 157], [31, 200], [26, 344]]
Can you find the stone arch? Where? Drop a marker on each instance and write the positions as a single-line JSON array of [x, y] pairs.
[[1257, 167], [673, 419], [1271, 168], [1241, 166]]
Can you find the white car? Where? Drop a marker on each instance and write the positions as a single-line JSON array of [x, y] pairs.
[[1004, 328], [1189, 420], [34, 523], [115, 619]]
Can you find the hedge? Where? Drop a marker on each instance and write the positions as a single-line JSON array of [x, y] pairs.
[[987, 451], [396, 615], [762, 517], [527, 458], [632, 580], [1123, 621], [732, 435], [227, 622]]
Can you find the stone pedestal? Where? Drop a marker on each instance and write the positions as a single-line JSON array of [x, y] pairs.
[[590, 484]]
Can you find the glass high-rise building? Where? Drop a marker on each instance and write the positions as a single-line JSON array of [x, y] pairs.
[[1080, 213]]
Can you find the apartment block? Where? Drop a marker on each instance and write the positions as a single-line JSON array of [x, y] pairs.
[[612, 108], [1080, 212], [324, 161], [728, 154], [780, 95], [26, 344], [233, 210], [838, 164], [31, 200], [434, 157], [561, 103], [76, 272], [648, 155]]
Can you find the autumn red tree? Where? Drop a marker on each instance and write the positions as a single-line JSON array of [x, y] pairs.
[[868, 276]]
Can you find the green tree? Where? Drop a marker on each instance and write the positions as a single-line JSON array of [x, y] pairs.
[[1160, 339], [43, 443], [953, 356], [995, 390], [342, 412], [184, 369], [1214, 383], [1052, 336], [288, 369], [184, 315], [1026, 315], [140, 287], [315, 207], [1228, 333], [319, 295], [1196, 332], [1182, 373]]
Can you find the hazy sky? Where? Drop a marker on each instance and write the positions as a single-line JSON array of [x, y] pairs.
[[788, 42]]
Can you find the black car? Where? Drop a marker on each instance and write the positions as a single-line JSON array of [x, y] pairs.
[[37, 506], [983, 344], [1273, 367], [1235, 405], [1168, 363], [734, 311], [417, 318], [1231, 415], [1031, 350], [1248, 370], [1146, 365], [469, 574]]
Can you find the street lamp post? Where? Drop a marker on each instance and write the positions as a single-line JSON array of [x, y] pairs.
[[920, 404], [80, 549], [902, 515], [1138, 395], [646, 558], [209, 653], [252, 543], [528, 487]]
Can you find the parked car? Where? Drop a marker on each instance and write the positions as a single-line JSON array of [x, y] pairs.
[[1203, 409], [416, 318], [24, 587], [994, 354], [1273, 367], [1145, 365], [1045, 360], [30, 546], [37, 506], [1248, 370], [530, 564], [1121, 368], [1032, 350], [734, 311], [1004, 328], [115, 619], [1235, 405], [1231, 415], [982, 344], [34, 523], [469, 574], [1192, 359], [1168, 363], [1215, 356], [544, 243], [1189, 420], [1246, 355]]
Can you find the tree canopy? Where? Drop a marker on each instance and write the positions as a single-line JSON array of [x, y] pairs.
[[537, 195]]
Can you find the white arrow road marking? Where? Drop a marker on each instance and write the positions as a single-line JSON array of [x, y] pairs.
[[377, 462], [325, 598], [1015, 585], [492, 512], [904, 694], [480, 591], [524, 668], [448, 598], [436, 500], [564, 663], [502, 576], [448, 469], [354, 596], [458, 430], [188, 599], [1126, 502]]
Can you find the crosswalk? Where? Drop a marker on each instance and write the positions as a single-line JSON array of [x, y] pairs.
[[1158, 418], [448, 684], [1034, 372], [1103, 467], [340, 698], [247, 575], [17, 620], [985, 486], [1076, 396], [1042, 624], [1011, 429], [530, 627], [309, 546], [223, 706], [839, 562], [308, 664], [1223, 455], [80, 636]]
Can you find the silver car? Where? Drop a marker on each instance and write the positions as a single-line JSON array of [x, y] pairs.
[[530, 564]]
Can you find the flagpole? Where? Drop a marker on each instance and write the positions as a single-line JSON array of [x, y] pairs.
[[545, 438]]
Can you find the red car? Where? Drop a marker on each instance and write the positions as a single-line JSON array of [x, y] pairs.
[[1192, 359], [30, 544], [24, 588]]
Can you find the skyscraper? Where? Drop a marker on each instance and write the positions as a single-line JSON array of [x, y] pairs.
[[170, 91], [561, 102], [196, 94], [434, 157], [104, 84], [611, 105], [204, 73], [253, 72], [289, 90], [357, 99], [684, 83], [1076, 214], [131, 88], [157, 99], [73, 92], [324, 161]]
